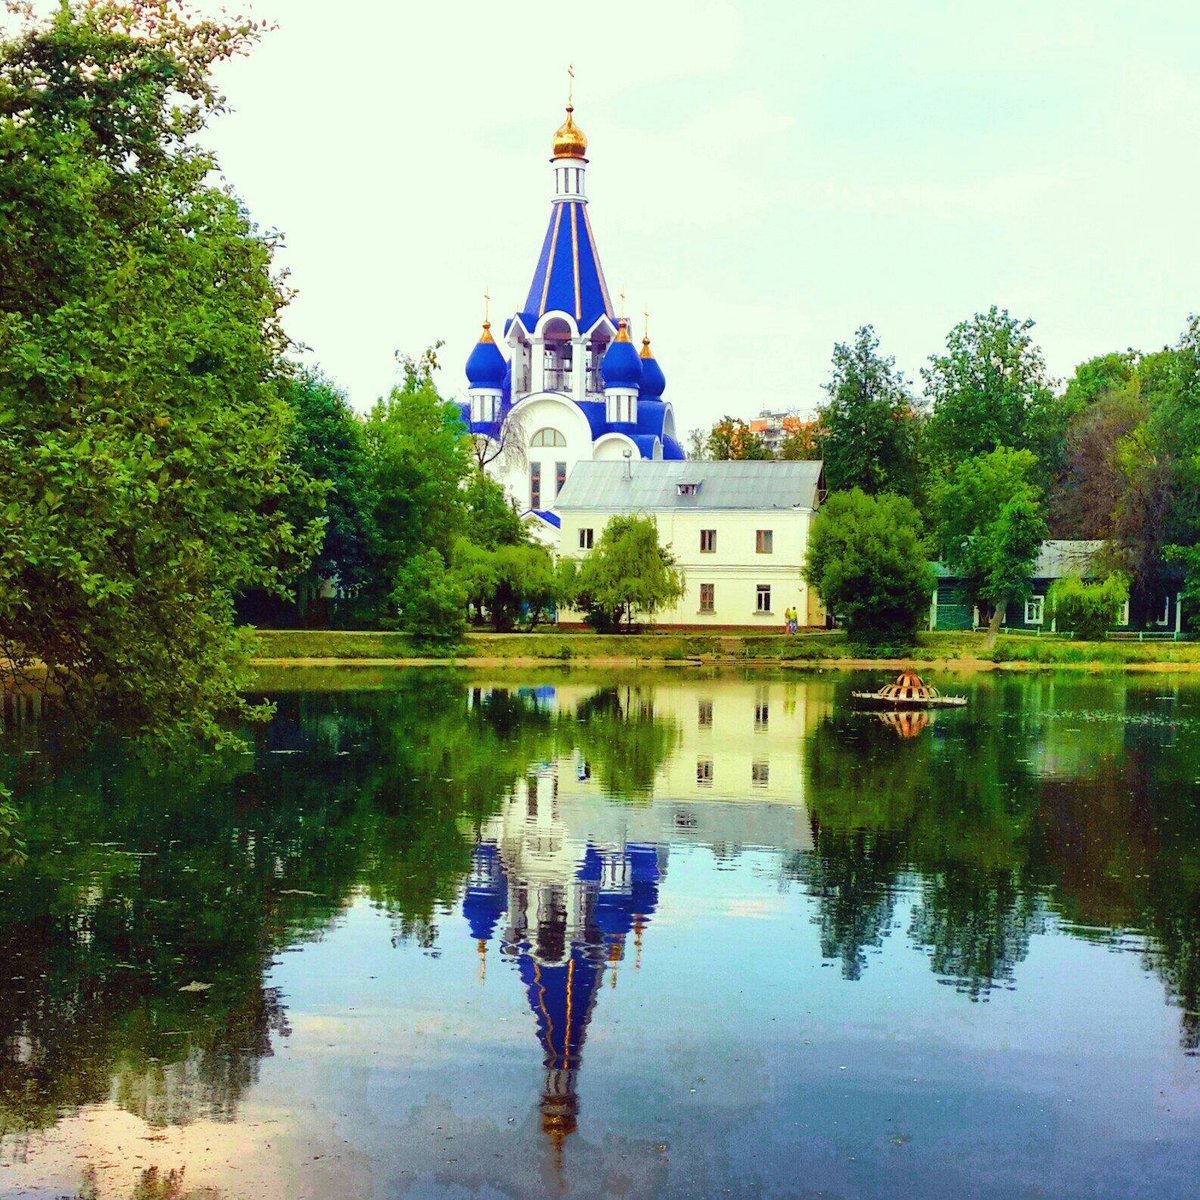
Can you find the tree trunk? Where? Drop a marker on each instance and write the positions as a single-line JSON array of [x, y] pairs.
[[994, 626]]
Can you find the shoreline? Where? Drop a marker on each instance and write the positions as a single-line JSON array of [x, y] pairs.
[[632, 662]]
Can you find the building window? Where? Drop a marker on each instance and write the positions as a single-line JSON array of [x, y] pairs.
[[547, 437], [535, 485], [704, 714], [1164, 617], [687, 489], [1034, 608], [560, 477], [760, 774], [585, 539], [764, 598], [704, 772], [707, 593], [764, 541], [708, 541]]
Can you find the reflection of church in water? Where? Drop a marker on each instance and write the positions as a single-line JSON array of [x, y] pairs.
[[565, 914]]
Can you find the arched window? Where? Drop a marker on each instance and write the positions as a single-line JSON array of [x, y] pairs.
[[548, 437]]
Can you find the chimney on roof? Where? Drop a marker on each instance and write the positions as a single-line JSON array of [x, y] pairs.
[[628, 456]]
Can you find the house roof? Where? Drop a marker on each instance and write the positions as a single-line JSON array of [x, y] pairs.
[[719, 485], [1055, 560]]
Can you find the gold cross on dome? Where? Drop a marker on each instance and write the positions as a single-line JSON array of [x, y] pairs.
[[486, 302], [570, 84]]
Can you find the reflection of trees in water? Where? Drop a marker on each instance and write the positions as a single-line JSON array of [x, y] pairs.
[[144, 880], [999, 819], [976, 927], [852, 875], [624, 739], [952, 817]]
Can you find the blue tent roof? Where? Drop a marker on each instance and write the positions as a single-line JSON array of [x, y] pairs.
[[568, 277]]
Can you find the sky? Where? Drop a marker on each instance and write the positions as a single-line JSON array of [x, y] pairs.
[[764, 177]]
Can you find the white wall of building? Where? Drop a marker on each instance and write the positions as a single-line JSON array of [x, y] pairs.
[[736, 568]]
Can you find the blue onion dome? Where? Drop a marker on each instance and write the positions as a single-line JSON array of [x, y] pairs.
[[486, 366], [506, 386], [620, 367], [654, 382]]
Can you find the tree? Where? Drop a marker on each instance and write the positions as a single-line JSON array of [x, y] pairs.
[[990, 389], [430, 601], [493, 518], [507, 582], [697, 445], [144, 434], [867, 560], [1087, 609], [732, 438], [867, 426], [801, 441], [626, 573], [991, 524], [418, 458]]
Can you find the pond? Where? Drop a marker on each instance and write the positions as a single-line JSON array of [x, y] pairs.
[[641, 935]]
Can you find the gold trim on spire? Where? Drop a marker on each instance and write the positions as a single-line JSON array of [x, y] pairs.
[[485, 337], [646, 351], [622, 331]]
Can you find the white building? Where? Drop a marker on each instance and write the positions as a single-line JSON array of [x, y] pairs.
[[738, 531]]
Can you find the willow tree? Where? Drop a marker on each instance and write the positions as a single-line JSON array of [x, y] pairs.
[[144, 474]]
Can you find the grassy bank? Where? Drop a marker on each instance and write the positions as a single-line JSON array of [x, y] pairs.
[[284, 646]]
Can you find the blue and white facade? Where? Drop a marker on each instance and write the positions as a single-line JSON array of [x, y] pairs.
[[565, 384]]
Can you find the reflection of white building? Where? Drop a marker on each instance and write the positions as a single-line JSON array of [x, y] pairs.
[[564, 876], [738, 532]]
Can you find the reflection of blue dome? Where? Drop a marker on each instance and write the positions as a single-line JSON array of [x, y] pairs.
[[486, 898], [654, 382], [486, 366], [620, 367]]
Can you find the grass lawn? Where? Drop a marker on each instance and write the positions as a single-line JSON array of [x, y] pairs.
[[281, 646]]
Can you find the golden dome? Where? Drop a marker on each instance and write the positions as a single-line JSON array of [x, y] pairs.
[[569, 141], [646, 353], [622, 331]]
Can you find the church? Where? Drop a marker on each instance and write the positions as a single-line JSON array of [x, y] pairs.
[[565, 383]]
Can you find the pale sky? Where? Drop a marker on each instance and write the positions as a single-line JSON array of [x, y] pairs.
[[764, 176]]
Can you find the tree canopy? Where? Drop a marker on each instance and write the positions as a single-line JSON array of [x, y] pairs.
[[626, 574], [991, 523], [144, 423], [867, 427], [867, 560]]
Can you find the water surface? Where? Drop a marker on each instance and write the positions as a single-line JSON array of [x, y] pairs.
[[651, 935]]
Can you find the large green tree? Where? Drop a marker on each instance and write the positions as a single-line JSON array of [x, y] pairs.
[[418, 459], [990, 389], [867, 559], [991, 522], [144, 436], [627, 574], [867, 426]]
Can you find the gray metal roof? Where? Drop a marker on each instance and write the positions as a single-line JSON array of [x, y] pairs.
[[1055, 560], [655, 485]]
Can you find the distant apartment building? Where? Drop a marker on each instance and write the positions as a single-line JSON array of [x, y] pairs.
[[774, 427]]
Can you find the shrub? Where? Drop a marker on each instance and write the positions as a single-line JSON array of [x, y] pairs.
[[1088, 610], [430, 601]]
